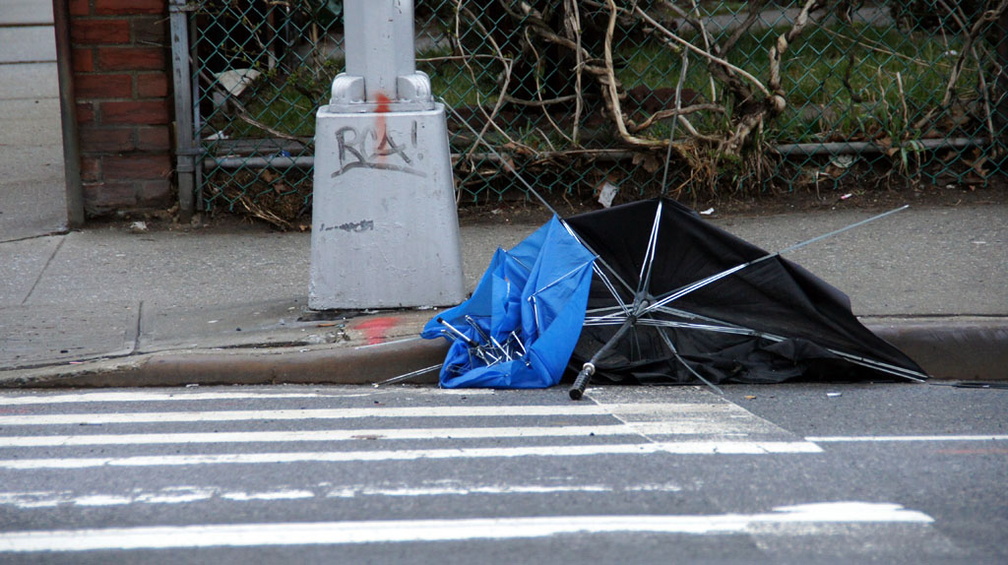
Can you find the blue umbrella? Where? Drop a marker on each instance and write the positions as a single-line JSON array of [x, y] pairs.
[[521, 324]]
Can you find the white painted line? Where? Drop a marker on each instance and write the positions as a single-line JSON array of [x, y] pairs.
[[608, 430], [882, 439], [28, 500], [187, 396], [318, 435], [449, 490], [568, 409], [143, 396], [397, 531], [289, 494], [678, 448]]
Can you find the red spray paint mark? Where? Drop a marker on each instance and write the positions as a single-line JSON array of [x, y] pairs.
[[384, 104], [376, 329]]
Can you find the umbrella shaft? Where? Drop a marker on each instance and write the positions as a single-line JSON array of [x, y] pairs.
[[623, 329], [588, 369]]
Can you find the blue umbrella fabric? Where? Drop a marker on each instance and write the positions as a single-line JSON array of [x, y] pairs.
[[521, 324]]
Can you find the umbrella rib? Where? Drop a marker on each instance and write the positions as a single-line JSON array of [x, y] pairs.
[[611, 309], [683, 291], [705, 327], [604, 321], [741, 330], [518, 261], [532, 296], [675, 352], [611, 287], [644, 280], [612, 318], [558, 279], [507, 164], [408, 376], [880, 366], [528, 186]]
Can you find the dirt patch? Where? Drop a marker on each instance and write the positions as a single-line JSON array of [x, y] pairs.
[[533, 212]]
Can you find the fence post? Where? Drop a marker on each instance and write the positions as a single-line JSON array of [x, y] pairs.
[[384, 224], [185, 150]]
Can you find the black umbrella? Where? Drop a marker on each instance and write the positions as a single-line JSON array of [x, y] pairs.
[[675, 299]]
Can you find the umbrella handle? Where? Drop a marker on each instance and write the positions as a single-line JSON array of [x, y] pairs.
[[581, 382]]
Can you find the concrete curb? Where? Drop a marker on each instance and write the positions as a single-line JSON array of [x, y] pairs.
[[952, 348], [342, 365], [955, 348]]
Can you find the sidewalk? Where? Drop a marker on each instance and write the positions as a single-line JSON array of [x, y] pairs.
[[32, 185], [113, 306]]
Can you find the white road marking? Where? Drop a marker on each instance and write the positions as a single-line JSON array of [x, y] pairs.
[[882, 439], [29, 500], [571, 409], [397, 531], [187, 396], [287, 494], [678, 448], [460, 490], [619, 429], [144, 396], [316, 435]]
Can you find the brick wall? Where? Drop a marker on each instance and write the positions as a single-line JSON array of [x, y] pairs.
[[122, 85]]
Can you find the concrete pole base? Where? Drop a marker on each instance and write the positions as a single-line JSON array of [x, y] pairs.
[[384, 221]]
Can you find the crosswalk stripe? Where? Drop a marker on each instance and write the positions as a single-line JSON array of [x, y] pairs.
[[572, 409], [690, 427], [184, 395], [680, 448], [47, 399], [316, 435], [884, 439], [182, 494], [398, 531]]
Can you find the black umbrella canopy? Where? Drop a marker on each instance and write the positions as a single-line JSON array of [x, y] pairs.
[[766, 322]]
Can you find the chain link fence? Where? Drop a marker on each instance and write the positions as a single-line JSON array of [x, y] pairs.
[[690, 99]]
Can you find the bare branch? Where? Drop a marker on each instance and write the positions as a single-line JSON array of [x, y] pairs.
[[612, 86], [674, 112], [709, 56], [776, 102]]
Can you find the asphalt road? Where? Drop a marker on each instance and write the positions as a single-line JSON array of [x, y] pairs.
[[889, 473]]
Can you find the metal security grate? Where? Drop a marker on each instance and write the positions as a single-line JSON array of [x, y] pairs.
[[684, 98]]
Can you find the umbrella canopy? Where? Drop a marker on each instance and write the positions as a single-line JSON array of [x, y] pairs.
[[521, 324], [677, 300]]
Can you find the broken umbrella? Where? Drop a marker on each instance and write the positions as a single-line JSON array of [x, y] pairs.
[[648, 292]]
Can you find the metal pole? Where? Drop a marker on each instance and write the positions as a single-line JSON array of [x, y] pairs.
[[185, 161], [68, 116], [869, 148]]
